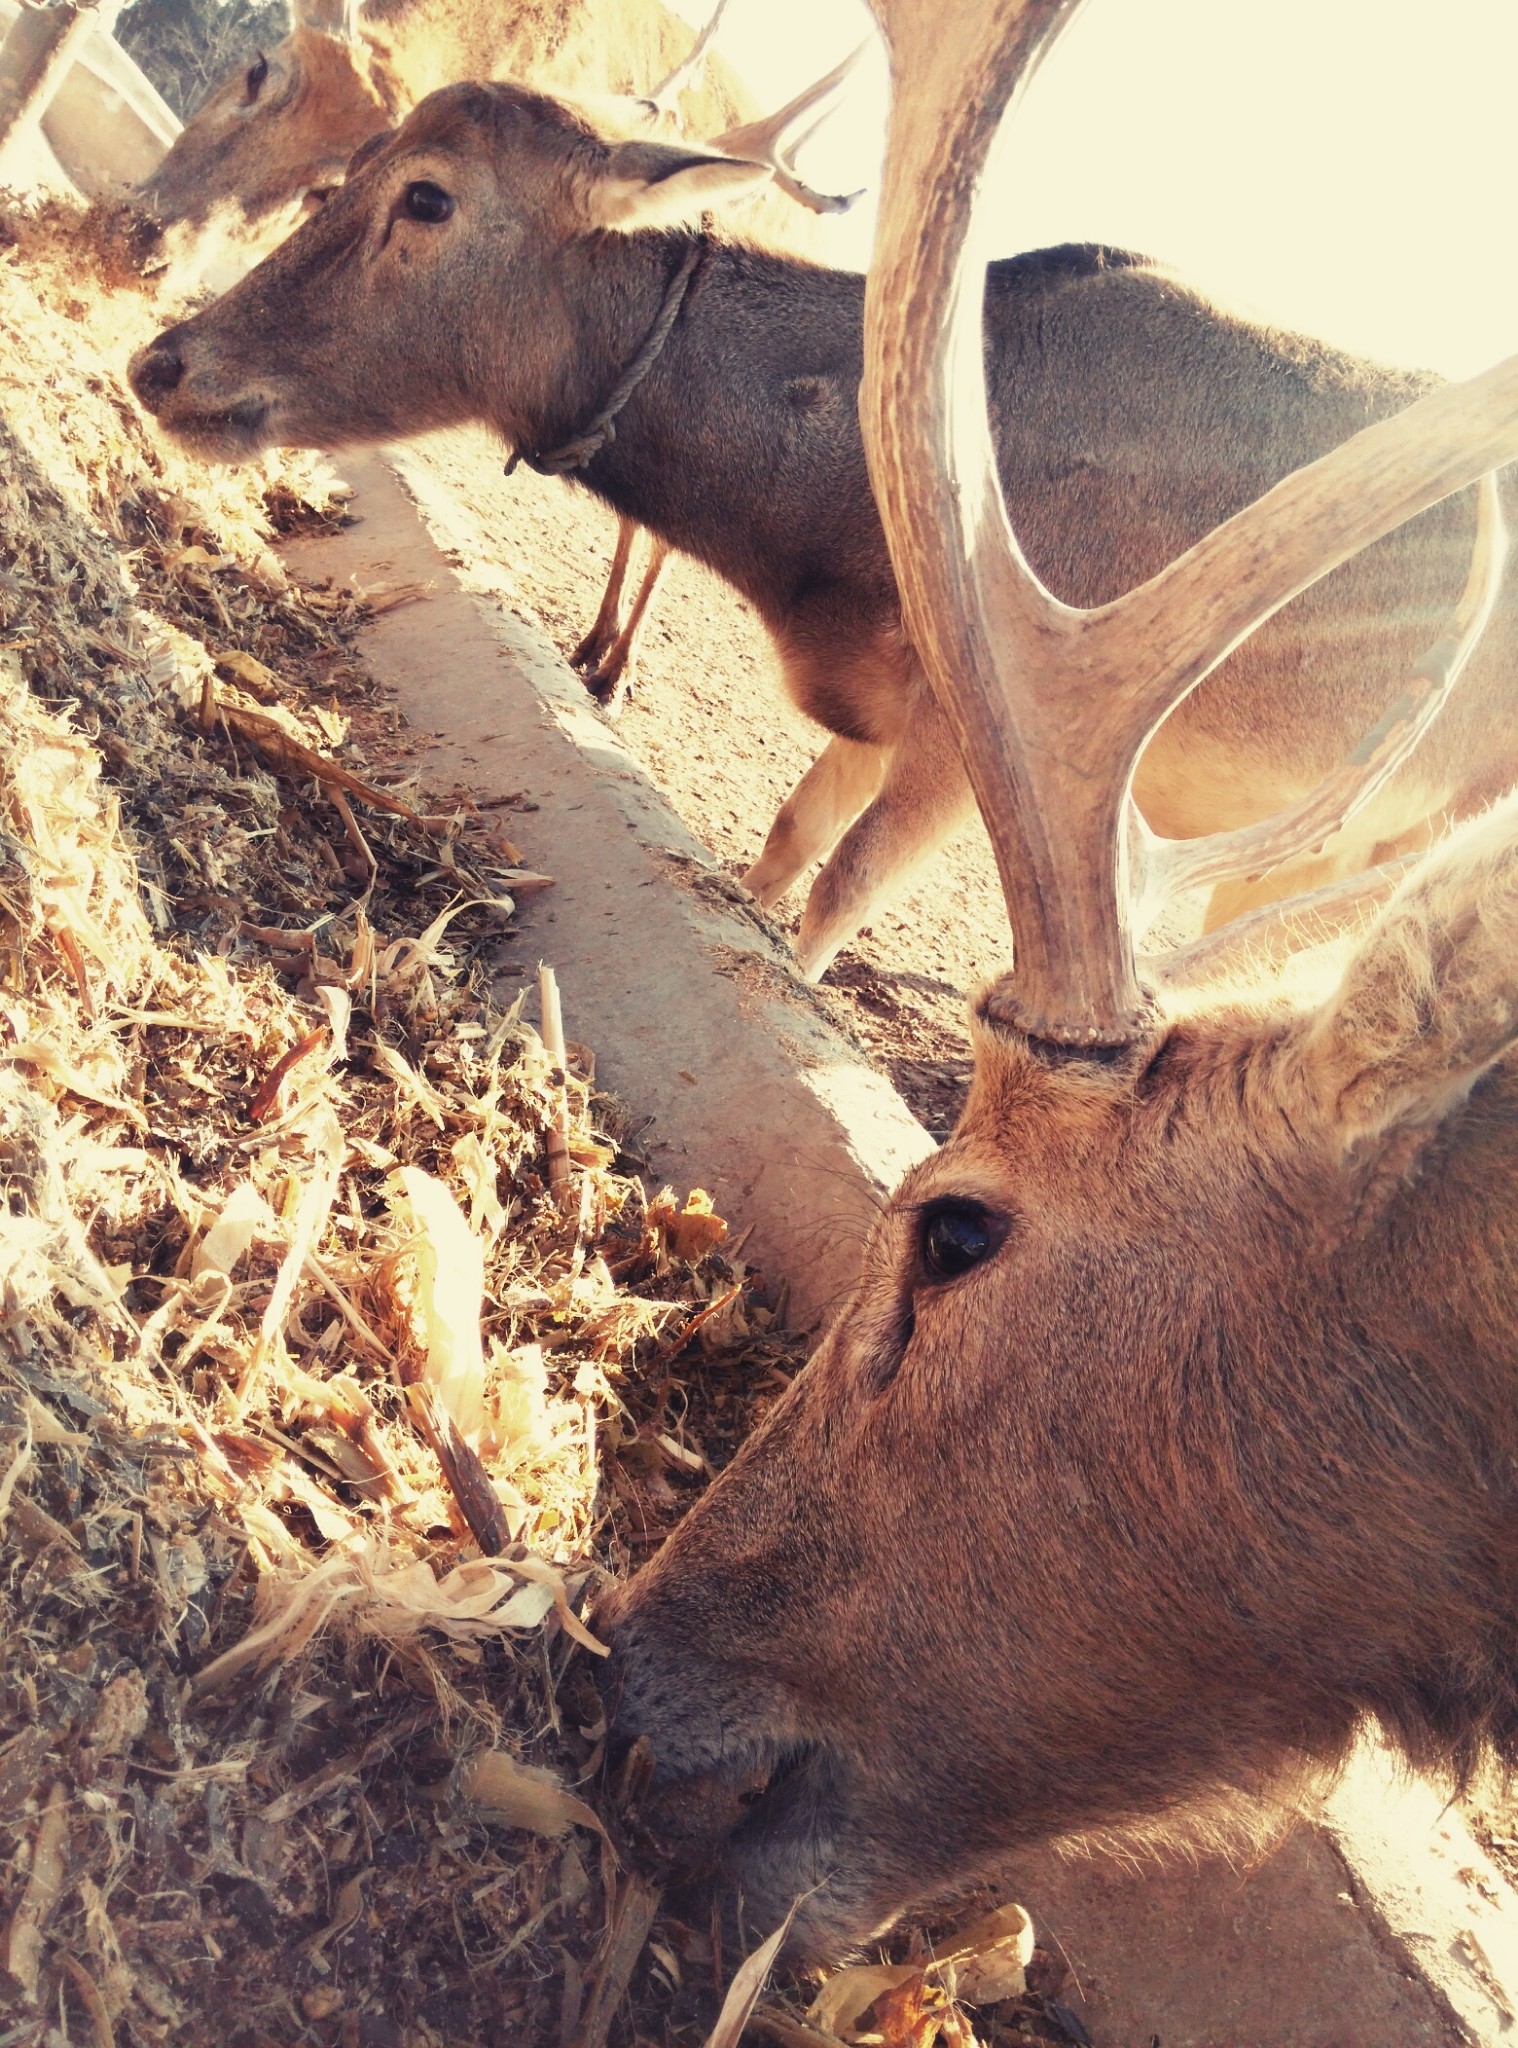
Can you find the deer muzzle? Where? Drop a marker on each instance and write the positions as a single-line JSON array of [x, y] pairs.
[[718, 1788], [214, 415]]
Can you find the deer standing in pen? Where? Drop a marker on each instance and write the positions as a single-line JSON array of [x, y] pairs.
[[274, 140], [505, 261]]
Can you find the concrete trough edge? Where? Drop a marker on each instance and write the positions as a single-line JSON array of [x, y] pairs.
[[1384, 1925]]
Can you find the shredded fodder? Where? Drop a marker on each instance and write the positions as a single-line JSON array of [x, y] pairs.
[[320, 1409]]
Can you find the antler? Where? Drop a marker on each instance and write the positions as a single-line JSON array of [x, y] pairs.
[[764, 142], [665, 95], [1052, 706]]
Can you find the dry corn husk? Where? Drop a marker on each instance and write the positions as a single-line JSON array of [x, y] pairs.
[[447, 1262], [228, 1015], [915, 2004], [521, 1795]]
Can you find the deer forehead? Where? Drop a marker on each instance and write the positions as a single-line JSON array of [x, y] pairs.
[[497, 120]]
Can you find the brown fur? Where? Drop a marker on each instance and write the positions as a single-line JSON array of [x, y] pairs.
[[1214, 1457], [1131, 417]]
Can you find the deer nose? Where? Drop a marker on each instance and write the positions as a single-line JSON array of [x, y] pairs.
[[155, 371]]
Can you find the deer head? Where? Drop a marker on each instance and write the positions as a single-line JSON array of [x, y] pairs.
[[1170, 1430], [272, 138], [484, 223]]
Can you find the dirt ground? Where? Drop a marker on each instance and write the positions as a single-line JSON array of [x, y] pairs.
[[712, 724]]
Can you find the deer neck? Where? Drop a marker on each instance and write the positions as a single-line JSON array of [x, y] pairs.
[[700, 428]]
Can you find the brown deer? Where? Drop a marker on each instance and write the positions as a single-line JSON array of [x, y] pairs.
[[505, 262], [271, 142], [1172, 1429]]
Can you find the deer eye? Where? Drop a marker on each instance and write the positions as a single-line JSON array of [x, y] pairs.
[[258, 71], [956, 1235], [427, 202]]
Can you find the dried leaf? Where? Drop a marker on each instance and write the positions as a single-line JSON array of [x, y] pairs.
[[244, 1215], [920, 2014], [411, 1083], [487, 1212], [990, 1957], [748, 1982], [14, 1473], [849, 1993], [305, 1232], [449, 1266], [338, 1005], [262, 681], [542, 1573], [44, 1888], [267, 1096], [363, 1587], [689, 1233], [522, 1796], [915, 2004], [289, 756]]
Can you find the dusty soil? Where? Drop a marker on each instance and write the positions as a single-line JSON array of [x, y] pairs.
[[711, 722]]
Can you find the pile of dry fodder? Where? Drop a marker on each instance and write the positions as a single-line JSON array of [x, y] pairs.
[[341, 1347], [294, 1331]]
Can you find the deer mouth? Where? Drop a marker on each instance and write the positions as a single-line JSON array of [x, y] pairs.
[[766, 1827], [229, 433]]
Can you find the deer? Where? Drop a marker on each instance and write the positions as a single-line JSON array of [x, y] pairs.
[[270, 143], [1169, 1434], [274, 139], [506, 262]]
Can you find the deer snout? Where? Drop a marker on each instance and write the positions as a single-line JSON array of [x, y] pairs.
[[199, 397], [156, 370]]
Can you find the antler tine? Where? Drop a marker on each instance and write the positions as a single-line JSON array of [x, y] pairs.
[[689, 69], [1166, 868], [764, 141], [1276, 930], [1052, 707]]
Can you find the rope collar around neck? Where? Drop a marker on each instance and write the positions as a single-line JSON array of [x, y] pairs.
[[582, 447]]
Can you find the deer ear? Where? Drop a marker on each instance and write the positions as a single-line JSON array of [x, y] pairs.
[[659, 185], [1430, 1000]]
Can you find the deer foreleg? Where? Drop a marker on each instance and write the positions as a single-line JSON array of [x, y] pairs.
[[607, 625], [924, 796], [827, 799]]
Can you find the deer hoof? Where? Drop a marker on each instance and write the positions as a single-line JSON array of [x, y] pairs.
[[590, 653], [611, 686]]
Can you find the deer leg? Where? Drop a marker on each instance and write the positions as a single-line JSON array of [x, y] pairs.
[[607, 623], [831, 794], [924, 796], [612, 677]]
